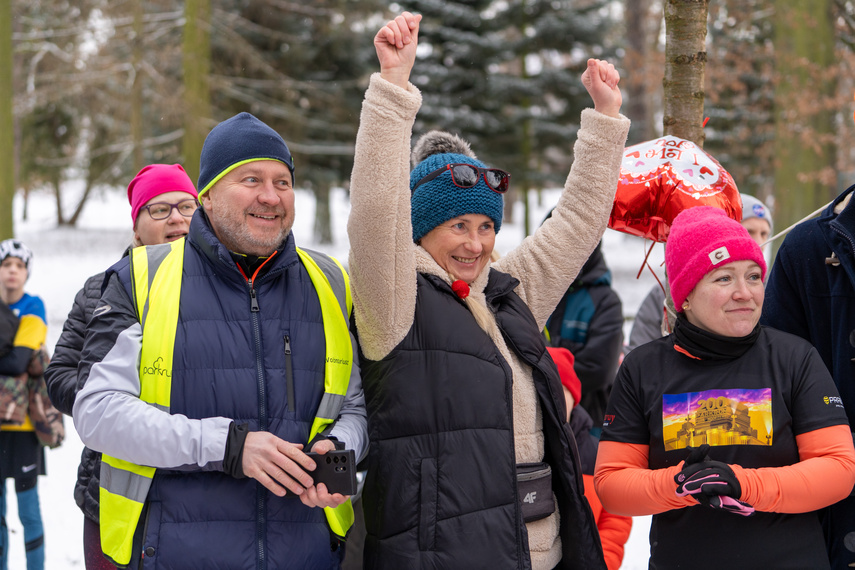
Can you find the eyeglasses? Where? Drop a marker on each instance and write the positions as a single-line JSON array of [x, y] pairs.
[[162, 210], [466, 176]]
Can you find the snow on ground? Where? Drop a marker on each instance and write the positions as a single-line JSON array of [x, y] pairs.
[[65, 257]]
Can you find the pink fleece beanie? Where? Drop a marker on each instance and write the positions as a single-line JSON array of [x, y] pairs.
[[154, 180], [701, 239]]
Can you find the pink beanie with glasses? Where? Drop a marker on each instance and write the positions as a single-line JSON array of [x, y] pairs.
[[154, 180], [704, 238]]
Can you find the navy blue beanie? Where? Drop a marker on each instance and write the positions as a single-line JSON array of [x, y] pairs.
[[236, 141], [439, 200]]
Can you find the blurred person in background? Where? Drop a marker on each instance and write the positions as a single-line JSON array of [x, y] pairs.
[[162, 199], [731, 434], [588, 322], [21, 453]]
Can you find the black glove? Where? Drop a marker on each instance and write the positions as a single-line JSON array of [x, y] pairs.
[[698, 454], [711, 483], [703, 476]]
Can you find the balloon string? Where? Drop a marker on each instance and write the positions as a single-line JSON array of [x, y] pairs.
[[645, 264], [644, 261], [787, 230]]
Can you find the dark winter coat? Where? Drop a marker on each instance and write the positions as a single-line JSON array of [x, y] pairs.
[[441, 491], [61, 374], [61, 378], [589, 322], [810, 292], [808, 296]]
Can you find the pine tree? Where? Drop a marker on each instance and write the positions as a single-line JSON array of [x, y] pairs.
[[642, 65], [740, 93], [506, 77], [302, 69]]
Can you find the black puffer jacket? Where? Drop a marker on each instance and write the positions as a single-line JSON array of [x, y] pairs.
[[61, 378], [61, 374], [441, 491]]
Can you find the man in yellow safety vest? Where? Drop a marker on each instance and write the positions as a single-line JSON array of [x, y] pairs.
[[210, 366]]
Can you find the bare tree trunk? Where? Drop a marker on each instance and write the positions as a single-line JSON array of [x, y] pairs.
[[685, 62], [323, 217], [7, 132], [642, 30], [78, 210], [197, 66], [805, 169], [26, 208], [137, 89], [56, 182]]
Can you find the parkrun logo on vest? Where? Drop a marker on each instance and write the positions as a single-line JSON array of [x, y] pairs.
[[342, 361], [156, 370]]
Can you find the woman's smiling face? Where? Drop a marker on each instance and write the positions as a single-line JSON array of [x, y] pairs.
[[728, 300], [462, 245]]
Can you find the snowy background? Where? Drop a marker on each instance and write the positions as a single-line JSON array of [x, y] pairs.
[[65, 257]]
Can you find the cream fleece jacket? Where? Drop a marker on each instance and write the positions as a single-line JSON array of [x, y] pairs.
[[384, 261]]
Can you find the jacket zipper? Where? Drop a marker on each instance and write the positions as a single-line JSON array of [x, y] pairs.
[[509, 382], [851, 244], [261, 513], [289, 374], [260, 493]]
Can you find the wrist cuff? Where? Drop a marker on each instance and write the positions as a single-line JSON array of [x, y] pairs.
[[233, 459]]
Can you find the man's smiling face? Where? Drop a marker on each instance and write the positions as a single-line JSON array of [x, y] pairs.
[[251, 208]]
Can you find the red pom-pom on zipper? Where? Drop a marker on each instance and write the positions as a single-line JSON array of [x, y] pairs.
[[461, 288]]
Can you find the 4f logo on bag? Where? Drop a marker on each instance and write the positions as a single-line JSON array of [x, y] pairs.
[[530, 498]]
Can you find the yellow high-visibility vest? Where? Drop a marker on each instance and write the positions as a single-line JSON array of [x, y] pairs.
[[156, 272]]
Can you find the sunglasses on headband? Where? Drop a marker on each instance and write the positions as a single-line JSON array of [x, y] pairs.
[[466, 176]]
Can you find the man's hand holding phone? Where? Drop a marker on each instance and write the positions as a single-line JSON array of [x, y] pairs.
[[332, 468], [282, 466]]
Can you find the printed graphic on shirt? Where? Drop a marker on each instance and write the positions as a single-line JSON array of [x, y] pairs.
[[717, 417]]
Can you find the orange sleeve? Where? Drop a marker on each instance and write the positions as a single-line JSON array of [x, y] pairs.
[[626, 486], [613, 529], [824, 475]]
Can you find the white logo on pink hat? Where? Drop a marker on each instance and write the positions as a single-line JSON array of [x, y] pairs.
[[719, 255]]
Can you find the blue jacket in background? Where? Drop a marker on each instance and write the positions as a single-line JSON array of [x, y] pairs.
[[814, 299], [810, 292]]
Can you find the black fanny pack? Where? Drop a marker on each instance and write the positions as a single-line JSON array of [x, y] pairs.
[[534, 482]]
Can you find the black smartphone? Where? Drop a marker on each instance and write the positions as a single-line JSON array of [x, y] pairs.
[[336, 469]]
